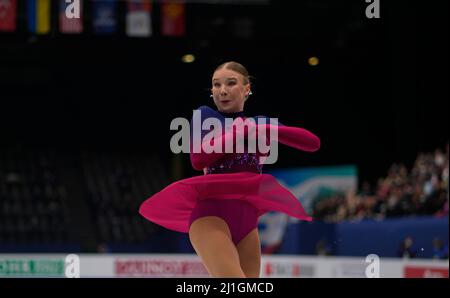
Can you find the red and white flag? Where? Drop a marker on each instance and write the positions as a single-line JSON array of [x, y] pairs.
[[8, 15], [139, 22]]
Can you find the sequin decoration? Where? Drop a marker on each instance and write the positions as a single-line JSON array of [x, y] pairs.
[[236, 162]]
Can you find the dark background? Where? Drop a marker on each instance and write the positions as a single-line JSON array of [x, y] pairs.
[[378, 96]]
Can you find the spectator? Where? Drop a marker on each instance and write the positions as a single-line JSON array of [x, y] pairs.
[[423, 190], [323, 248], [406, 249], [439, 250]]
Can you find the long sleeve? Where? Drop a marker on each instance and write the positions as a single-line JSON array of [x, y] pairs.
[[202, 159], [298, 138], [295, 137]]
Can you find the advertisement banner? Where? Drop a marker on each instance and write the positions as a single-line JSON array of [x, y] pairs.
[[190, 266], [23, 267], [425, 272], [311, 185], [159, 267]]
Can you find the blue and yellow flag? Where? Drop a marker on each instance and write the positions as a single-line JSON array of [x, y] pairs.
[[38, 16]]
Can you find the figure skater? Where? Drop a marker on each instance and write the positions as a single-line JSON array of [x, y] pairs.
[[220, 209]]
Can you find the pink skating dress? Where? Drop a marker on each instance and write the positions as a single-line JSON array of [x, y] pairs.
[[233, 186]]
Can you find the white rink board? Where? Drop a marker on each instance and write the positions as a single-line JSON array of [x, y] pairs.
[[188, 265]]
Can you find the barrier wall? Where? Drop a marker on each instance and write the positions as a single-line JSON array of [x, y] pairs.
[[366, 237], [188, 265]]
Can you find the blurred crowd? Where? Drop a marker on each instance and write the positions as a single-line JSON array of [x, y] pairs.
[[116, 185], [51, 198], [33, 199], [422, 190]]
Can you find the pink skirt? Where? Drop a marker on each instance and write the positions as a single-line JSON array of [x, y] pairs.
[[172, 206]]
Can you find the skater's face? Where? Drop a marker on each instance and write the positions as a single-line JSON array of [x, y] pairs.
[[230, 90]]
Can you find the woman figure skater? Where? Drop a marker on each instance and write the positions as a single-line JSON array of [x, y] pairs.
[[220, 209]]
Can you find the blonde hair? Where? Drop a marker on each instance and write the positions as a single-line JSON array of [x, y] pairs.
[[237, 67]]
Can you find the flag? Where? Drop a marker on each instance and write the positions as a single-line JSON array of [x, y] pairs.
[[104, 16], [39, 16], [139, 22], [8, 15], [71, 16], [173, 22]]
